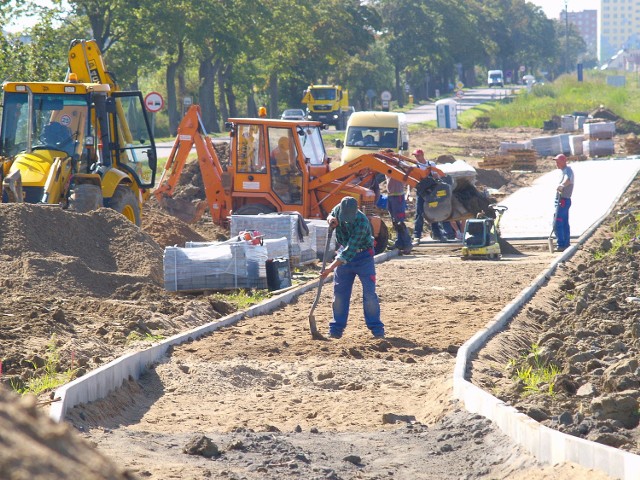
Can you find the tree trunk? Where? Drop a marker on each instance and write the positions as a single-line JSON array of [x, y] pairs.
[[206, 95], [399, 94], [252, 108], [222, 102], [273, 95], [228, 91], [172, 69]]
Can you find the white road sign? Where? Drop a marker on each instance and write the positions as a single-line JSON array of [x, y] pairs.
[[153, 102]]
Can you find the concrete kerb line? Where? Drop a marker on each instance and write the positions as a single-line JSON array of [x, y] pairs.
[[547, 445], [100, 382]]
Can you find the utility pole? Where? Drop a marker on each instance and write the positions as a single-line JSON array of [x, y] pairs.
[[566, 36]]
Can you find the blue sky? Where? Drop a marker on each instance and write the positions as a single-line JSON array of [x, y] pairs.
[[553, 7]]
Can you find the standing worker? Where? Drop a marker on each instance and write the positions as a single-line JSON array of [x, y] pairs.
[[437, 228], [397, 206], [564, 190], [354, 257]]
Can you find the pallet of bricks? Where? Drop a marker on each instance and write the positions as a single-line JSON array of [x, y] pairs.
[[598, 139], [525, 160], [497, 162]]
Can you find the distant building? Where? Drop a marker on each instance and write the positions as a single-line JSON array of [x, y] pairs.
[[586, 22], [619, 28]]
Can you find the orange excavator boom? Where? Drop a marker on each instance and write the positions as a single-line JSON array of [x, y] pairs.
[[217, 186]]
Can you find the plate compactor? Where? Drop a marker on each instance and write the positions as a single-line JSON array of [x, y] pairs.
[[482, 235]]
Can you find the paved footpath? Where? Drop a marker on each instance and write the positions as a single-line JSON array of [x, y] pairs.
[[598, 184]]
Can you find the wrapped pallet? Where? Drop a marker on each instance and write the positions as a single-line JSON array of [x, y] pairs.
[[568, 123], [599, 130], [547, 146], [276, 247], [564, 142], [598, 148], [506, 147], [299, 234], [579, 122], [216, 267], [575, 142], [322, 228]]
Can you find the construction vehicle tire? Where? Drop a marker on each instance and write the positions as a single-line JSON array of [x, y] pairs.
[[85, 198], [382, 239], [124, 201], [254, 209]]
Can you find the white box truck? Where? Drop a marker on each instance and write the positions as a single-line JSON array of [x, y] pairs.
[[495, 78]]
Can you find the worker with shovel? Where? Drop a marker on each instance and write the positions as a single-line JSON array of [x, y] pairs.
[[564, 190], [354, 258]]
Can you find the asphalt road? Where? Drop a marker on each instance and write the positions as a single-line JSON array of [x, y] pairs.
[[471, 98], [422, 113]]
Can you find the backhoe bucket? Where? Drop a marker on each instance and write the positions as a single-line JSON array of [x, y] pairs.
[[184, 210]]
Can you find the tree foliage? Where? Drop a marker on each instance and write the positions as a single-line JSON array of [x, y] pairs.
[[230, 56]]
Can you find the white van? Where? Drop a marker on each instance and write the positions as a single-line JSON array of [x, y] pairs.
[[369, 132], [495, 78]]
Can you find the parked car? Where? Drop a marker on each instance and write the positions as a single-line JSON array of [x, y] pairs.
[[293, 114]]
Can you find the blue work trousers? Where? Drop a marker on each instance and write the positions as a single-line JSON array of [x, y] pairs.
[[563, 232], [419, 223], [364, 267]]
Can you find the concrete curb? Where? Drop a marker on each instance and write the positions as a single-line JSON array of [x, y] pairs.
[[547, 445], [100, 382]]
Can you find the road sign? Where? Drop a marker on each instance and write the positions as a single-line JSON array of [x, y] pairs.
[[459, 94], [522, 68], [459, 85], [385, 96], [154, 102], [371, 93], [187, 101]]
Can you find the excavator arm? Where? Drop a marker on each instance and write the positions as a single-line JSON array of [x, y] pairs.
[[392, 165], [216, 180]]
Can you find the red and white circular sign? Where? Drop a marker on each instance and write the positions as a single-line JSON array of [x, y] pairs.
[[154, 102]]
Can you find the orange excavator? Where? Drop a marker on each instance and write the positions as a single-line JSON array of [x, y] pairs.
[[282, 166]]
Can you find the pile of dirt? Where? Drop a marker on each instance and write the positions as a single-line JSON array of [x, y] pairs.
[[90, 286], [32, 446], [49, 250]]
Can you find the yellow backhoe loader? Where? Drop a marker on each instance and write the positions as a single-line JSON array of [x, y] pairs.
[[81, 143]]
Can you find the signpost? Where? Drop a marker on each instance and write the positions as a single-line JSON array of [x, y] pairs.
[[386, 98], [153, 102]]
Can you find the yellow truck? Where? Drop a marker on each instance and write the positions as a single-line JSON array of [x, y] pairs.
[[328, 104]]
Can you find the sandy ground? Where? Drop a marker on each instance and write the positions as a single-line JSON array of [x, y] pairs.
[[274, 402]]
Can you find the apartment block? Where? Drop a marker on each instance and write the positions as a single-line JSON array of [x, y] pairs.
[[619, 28], [586, 23]]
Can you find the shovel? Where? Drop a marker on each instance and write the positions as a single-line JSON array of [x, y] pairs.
[[315, 334], [553, 225]]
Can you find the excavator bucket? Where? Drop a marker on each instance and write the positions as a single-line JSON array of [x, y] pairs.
[[184, 210]]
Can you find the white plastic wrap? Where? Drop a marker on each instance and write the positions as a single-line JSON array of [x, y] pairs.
[[278, 225], [547, 146], [322, 228], [576, 144], [505, 147], [215, 267], [598, 148], [599, 130]]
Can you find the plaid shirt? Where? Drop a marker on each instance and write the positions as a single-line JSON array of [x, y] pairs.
[[354, 237]]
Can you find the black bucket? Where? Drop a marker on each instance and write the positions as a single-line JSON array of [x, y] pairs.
[[278, 274]]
